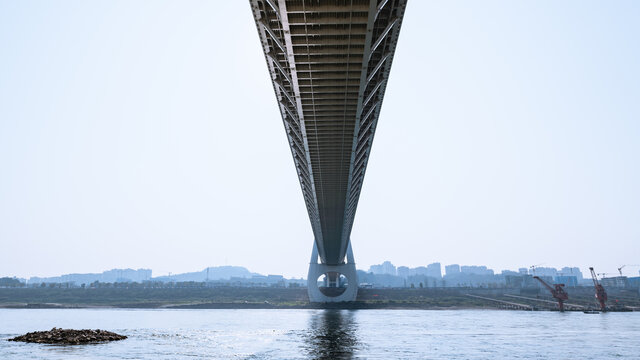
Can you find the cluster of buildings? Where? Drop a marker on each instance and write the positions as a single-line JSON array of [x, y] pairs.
[[210, 276], [455, 275], [109, 276], [381, 275]]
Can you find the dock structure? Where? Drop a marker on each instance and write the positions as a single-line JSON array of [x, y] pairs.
[[569, 306], [505, 304], [329, 63]]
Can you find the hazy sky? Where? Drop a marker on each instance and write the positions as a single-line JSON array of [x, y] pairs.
[[146, 134]]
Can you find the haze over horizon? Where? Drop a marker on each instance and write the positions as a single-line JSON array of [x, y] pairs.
[[632, 271], [131, 136]]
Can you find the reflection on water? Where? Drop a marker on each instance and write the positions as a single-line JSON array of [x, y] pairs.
[[332, 335]]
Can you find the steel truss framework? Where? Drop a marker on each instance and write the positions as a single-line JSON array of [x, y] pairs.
[[329, 62]]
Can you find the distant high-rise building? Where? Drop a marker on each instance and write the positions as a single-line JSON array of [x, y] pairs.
[[386, 268], [125, 275], [452, 269], [404, 271], [476, 270], [545, 271], [523, 271], [420, 270], [570, 280], [510, 273], [434, 270], [572, 271], [615, 282]]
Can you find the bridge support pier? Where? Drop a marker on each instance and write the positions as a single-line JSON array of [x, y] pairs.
[[332, 286]]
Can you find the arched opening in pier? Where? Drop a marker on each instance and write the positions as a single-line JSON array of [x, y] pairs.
[[332, 283]]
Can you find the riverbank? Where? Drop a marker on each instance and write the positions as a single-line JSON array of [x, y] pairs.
[[295, 298], [263, 306]]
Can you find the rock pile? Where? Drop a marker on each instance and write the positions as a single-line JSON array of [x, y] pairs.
[[69, 336]]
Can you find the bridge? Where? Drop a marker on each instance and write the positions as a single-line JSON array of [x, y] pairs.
[[329, 62]]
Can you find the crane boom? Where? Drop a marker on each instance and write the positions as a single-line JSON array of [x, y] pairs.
[[594, 277], [620, 269], [601, 294], [544, 283], [623, 266], [557, 292]]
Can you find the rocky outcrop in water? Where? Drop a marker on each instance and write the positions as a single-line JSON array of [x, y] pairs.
[[69, 336]]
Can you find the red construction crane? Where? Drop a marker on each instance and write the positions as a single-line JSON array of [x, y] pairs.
[[557, 291], [601, 295]]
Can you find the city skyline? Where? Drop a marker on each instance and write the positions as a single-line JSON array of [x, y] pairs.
[[385, 267]]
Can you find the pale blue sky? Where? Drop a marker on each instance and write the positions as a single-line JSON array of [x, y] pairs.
[[146, 134]]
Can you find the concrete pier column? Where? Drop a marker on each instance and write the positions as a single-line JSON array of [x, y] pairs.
[[333, 290]]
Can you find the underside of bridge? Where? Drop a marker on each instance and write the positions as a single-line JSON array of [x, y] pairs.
[[329, 61]]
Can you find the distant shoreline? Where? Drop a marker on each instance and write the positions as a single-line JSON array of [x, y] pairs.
[[262, 306], [297, 298]]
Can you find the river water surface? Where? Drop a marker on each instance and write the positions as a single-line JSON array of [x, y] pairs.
[[329, 334]]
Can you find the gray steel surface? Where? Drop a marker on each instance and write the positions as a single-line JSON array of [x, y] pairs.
[[329, 62]]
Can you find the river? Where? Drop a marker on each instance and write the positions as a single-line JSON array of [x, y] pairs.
[[329, 334]]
